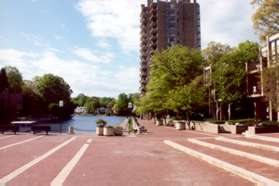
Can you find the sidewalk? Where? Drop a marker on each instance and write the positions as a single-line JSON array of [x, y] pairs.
[[142, 160]]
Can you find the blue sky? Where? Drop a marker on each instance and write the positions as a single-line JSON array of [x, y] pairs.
[[94, 44]]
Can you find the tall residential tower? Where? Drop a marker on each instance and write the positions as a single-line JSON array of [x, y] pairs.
[[164, 24]]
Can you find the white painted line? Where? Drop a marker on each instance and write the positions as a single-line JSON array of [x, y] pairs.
[[254, 157], [249, 144], [6, 137], [19, 143], [263, 138], [62, 176], [248, 175], [17, 172]]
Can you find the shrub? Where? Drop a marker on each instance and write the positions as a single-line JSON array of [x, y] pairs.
[[243, 122], [101, 123]]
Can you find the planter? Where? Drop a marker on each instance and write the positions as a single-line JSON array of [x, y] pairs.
[[180, 125], [100, 131], [159, 122], [252, 130], [118, 131], [108, 131]]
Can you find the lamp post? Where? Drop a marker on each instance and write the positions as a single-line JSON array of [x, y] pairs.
[[61, 105], [130, 107]]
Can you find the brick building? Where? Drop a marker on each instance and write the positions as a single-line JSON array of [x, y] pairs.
[[164, 24], [269, 57]]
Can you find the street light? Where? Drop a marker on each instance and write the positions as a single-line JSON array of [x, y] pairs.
[[130, 107], [61, 105]]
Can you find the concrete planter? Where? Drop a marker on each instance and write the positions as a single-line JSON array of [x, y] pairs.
[[207, 127], [179, 125], [159, 122], [100, 131], [118, 131], [234, 129], [108, 131], [258, 130]]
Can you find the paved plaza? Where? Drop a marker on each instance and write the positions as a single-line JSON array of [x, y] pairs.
[[148, 159]]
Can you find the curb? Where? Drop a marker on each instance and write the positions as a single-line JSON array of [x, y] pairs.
[[261, 159], [249, 144], [248, 175]]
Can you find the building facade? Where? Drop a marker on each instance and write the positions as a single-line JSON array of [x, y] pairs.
[[269, 58], [164, 24]]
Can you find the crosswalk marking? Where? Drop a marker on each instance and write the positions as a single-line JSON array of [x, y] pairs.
[[65, 172], [19, 143], [17, 172]]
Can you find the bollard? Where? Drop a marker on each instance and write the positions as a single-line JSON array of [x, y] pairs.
[[71, 130]]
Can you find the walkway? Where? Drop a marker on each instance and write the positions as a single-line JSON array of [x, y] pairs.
[[89, 160]]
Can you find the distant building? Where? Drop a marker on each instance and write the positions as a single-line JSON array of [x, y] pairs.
[[269, 57], [81, 110], [164, 24]]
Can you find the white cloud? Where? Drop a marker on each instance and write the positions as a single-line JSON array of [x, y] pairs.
[[113, 19], [104, 44], [83, 77], [223, 21], [226, 21], [93, 56]]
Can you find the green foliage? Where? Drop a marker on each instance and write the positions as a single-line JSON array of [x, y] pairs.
[[53, 88], [33, 103], [266, 17], [92, 104], [14, 79], [80, 100], [229, 75], [121, 104], [215, 51], [243, 122], [173, 84], [101, 123], [4, 84]]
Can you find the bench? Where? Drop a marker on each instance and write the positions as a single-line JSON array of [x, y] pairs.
[[9, 128], [37, 129]]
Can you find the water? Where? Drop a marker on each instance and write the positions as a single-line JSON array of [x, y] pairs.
[[85, 124]]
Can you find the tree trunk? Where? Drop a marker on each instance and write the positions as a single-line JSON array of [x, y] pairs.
[[270, 111], [229, 111]]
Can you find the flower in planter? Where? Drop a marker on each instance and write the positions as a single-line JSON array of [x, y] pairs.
[[101, 123]]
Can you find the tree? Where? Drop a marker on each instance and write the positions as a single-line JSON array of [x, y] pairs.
[[92, 105], [266, 17], [33, 103], [271, 87], [53, 88], [80, 100], [187, 98], [121, 104], [14, 79], [229, 75], [171, 70], [215, 51], [4, 84]]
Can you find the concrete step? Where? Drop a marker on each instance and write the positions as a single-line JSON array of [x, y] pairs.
[[241, 166], [263, 138], [235, 150], [248, 144]]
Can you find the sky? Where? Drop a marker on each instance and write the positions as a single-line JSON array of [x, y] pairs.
[[94, 44]]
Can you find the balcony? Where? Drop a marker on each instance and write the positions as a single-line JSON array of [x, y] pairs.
[[253, 67]]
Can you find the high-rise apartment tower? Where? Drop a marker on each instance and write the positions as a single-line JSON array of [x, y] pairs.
[[164, 24]]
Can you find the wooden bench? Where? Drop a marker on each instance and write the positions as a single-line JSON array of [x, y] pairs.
[[40, 128], [9, 128]]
